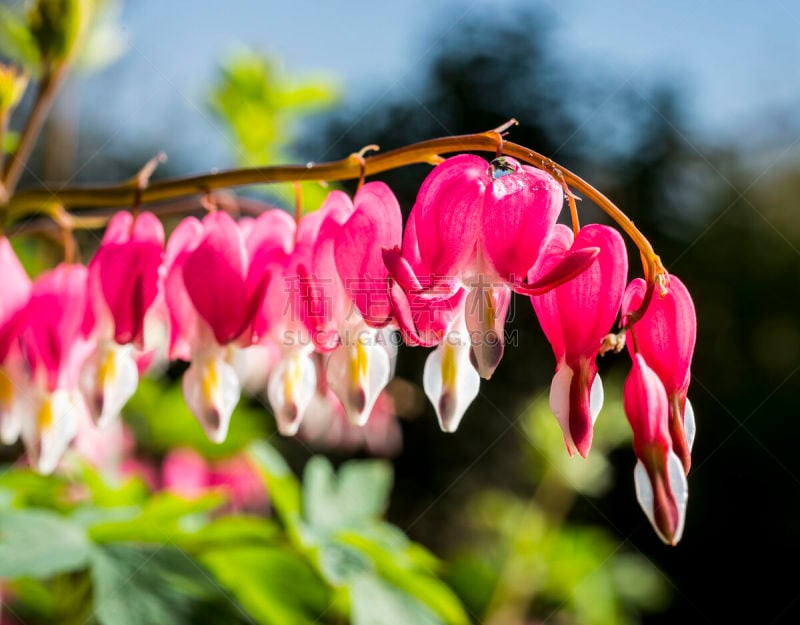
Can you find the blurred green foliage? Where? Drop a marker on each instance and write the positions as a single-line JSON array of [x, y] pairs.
[[526, 557], [263, 110], [132, 556]]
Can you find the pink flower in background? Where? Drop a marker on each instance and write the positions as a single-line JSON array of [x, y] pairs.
[[187, 473], [665, 336], [661, 486], [327, 428], [575, 317]]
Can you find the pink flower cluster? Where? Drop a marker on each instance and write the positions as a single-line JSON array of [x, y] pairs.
[[310, 310]]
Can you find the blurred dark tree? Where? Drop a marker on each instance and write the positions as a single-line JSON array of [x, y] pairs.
[[738, 252]]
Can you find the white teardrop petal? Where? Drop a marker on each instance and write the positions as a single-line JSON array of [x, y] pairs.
[[689, 426], [51, 428], [450, 382], [119, 377], [211, 389], [10, 416], [290, 389], [10, 425], [596, 397], [357, 373]]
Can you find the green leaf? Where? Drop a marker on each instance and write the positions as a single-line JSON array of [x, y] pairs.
[[136, 585], [16, 39], [233, 531], [27, 489], [282, 485], [340, 563], [375, 602], [408, 567], [357, 495], [165, 517], [40, 543], [106, 492], [274, 584]]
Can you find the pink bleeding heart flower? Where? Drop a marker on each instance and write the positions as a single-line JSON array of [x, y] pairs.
[[124, 284], [661, 486], [375, 224], [283, 320], [183, 319], [214, 294], [124, 274], [13, 376], [326, 307], [483, 226], [575, 317], [665, 336], [422, 303], [51, 332], [349, 294], [224, 287]]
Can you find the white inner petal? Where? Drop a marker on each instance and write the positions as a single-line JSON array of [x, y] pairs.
[[357, 373], [450, 381], [212, 390], [596, 396], [680, 490], [290, 389], [559, 403], [119, 377], [689, 426]]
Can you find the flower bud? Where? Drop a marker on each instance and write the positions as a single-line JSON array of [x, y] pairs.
[[56, 26]]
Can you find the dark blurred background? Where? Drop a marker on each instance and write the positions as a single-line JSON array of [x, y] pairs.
[[718, 204]]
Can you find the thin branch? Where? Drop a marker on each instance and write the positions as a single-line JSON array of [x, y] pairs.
[[121, 195], [97, 219], [130, 193]]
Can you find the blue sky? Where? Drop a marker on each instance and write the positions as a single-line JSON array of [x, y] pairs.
[[735, 59]]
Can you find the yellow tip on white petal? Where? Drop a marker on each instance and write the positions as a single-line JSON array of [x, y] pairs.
[[116, 382], [211, 389], [357, 374], [290, 390], [48, 435], [450, 381]]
